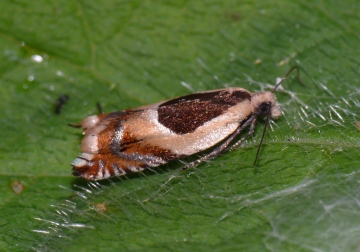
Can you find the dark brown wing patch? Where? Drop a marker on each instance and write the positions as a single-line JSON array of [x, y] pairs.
[[185, 114]]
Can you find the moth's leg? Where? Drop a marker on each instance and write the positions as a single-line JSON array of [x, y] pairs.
[[149, 160], [225, 144], [250, 132]]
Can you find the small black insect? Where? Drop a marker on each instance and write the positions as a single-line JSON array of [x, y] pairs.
[[60, 103]]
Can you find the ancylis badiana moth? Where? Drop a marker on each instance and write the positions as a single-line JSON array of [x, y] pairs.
[[135, 139]]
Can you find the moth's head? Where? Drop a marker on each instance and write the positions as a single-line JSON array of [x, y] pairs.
[[262, 102]]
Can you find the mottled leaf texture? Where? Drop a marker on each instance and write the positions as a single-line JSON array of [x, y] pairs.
[[303, 194]]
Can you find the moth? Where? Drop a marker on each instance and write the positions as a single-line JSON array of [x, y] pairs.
[[132, 140]]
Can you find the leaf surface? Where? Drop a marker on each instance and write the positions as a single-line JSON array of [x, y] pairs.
[[303, 194]]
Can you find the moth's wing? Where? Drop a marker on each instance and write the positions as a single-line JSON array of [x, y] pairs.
[[189, 120], [131, 140], [193, 123], [186, 114]]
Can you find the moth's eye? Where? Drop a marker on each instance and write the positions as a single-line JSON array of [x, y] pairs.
[[264, 108]]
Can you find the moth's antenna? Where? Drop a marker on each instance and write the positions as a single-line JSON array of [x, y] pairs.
[[269, 112], [263, 135], [286, 75]]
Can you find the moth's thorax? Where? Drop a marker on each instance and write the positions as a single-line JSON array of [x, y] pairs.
[[265, 97]]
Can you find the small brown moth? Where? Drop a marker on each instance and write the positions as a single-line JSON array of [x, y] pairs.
[[135, 139]]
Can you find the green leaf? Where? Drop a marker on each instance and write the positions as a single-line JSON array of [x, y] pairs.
[[303, 195]]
